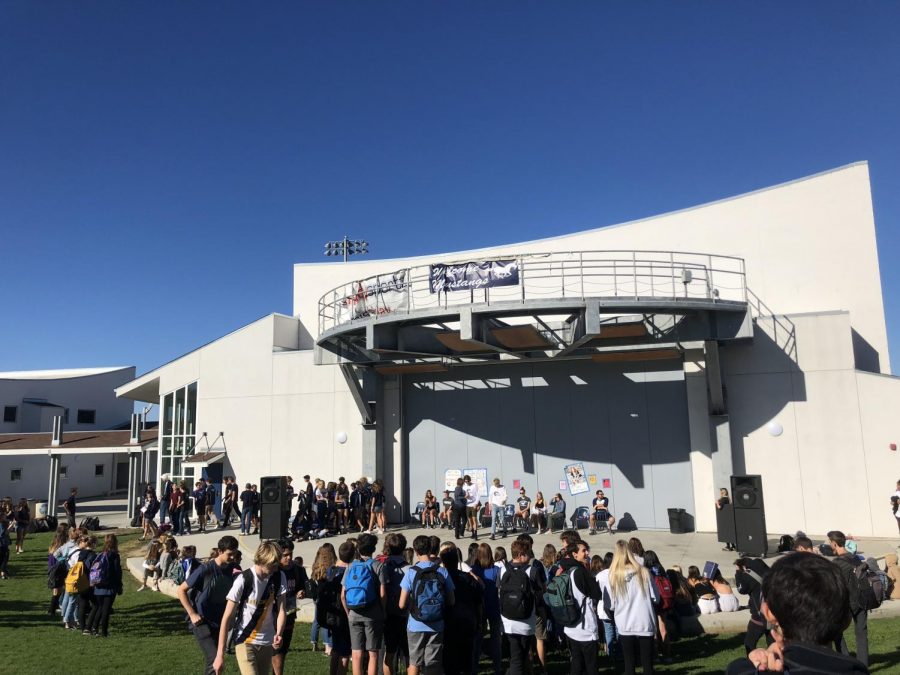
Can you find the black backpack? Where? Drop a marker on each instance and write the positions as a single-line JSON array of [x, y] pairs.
[[329, 609], [394, 571], [516, 592], [870, 589]]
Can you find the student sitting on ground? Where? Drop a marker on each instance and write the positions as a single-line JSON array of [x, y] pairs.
[[728, 601], [808, 605], [707, 599]]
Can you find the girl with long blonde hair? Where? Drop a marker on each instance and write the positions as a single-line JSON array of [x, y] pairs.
[[631, 600]]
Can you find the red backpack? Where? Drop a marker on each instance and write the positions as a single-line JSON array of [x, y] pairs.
[[665, 592]]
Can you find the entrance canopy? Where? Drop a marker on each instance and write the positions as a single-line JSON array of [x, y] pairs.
[[204, 460]]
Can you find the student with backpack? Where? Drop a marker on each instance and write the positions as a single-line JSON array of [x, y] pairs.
[[330, 612], [255, 604], [363, 596], [152, 567], [185, 565], [665, 605], [808, 603], [78, 583], [518, 590], [295, 587], [106, 580], [4, 546], [395, 566], [484, 568], [204, 596], [630, 601], [56, 568], [464, 617], [581, 626], [863, 597], [326, 558], [748, 577], [426, 589]]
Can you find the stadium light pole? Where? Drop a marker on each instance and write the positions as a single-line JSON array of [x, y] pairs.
[[346, 247]]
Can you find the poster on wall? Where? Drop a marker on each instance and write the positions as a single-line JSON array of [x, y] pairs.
[[576, 478], [385, 294], [479, 479], [473, 275], [450, 477], [562, 486], [592, 478]]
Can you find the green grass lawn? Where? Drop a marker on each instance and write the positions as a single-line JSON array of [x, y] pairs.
[[148, 635]]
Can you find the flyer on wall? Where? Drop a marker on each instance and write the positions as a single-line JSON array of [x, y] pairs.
[[450, 476], [576, 478]]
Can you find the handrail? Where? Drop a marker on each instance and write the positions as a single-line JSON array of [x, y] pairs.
[[786, 340], [622, 274]]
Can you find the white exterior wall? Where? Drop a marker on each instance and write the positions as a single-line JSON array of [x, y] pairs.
[[36, 475], [825, 470], [279, 412], [88, 392], [827, 217]]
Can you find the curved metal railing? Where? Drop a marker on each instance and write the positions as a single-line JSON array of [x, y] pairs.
[[661, 275]]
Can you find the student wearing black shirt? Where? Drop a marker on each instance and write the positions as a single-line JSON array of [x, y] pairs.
[[523, 508], [846, 562], [254, 506], [445, 515], [723, 501], [69, 506], [246, 508], [229, 502]]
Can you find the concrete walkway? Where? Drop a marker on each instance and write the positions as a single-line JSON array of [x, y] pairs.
[[673, 549]]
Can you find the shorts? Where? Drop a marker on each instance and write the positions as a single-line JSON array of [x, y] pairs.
[[601, 515], [395, 635], [540, 627], [377, 509], [366, 635], [425, 649], [287, 634], [471, 511]]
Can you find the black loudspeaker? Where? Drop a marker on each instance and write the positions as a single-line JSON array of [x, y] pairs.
[[749, 515], [725, 524], [747, 492], [273, 516]]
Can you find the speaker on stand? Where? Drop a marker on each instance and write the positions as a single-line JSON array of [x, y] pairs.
[[749, 515], [273, 507]]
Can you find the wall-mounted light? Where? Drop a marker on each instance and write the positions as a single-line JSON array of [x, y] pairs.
[[774, 428], [341, 437], [633, 415]]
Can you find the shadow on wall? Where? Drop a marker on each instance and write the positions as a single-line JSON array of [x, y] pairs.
[[765, 380]]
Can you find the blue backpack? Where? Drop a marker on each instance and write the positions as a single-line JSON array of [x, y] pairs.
[[427, 591], [361, 585]]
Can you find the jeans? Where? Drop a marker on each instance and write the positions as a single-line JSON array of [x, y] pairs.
[[861, 628], [314, 634], [208, 640], [163, 510], [644, 645], [98, 621], [246, 518], [227, 508], [69, 607], [497, 517], [612, 637]]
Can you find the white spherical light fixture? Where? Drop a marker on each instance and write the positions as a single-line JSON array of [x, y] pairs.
[[774, 428], [341, 437]]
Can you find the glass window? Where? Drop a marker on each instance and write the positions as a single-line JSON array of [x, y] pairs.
[[86, 416], [166, 465], [9, 413], [63, 472], [176, 466], [98, 469], [168, 413], [15, 474], [191, 410], [179, 412], [167, 447]]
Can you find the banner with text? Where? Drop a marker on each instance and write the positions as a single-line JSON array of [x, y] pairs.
[[384, 294], [473, 275]]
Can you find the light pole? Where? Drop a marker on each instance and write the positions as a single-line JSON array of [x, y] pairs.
[[346, 247]]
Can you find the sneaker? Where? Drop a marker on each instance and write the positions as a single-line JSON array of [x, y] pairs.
[[142, 588]]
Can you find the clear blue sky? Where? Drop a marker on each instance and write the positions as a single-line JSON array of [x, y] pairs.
[[163, 164]]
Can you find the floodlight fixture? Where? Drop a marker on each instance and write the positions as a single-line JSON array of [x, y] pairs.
[[346, 247]]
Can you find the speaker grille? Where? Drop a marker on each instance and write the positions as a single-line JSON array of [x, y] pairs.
[[271, 494], [746, 496]]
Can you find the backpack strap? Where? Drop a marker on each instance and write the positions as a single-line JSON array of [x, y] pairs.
[[249, 583]]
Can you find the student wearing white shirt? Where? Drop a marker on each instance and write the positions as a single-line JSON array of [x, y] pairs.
[[498, 497], [472, 504], [895, 503], [259, 626]]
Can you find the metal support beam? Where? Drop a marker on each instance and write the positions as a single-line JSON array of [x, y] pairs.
[[53, 487], [356, 391], [714, 378]]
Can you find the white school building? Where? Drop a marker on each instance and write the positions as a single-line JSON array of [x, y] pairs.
[[653, 359]]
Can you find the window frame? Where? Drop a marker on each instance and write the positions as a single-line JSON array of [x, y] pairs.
[[85, 411], [15, 414]]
